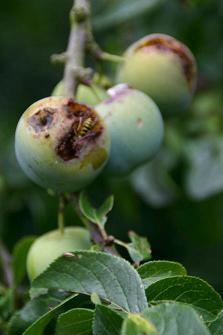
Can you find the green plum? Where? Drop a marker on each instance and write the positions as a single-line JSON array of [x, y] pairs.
[[135, 125], [90, 95], [162, 67], [46, 248], [61, 144]]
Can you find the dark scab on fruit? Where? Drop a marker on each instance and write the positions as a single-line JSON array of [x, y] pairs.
[[70, 146], [74, 109], [42, 119], [84, 129]]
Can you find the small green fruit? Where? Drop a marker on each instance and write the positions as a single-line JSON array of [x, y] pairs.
[[61, 144], [52, 245], [135, 126], [163, 68], [85, 94]]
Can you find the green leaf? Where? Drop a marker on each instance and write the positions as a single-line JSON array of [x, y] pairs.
[[139, 249], [124, 10], [6, 302], [76, 321], [216, 326], [153, 181], [135, 324], [154, 271], [111, 277], [205, 158], [176, 319], [190, 290], [96, 215], [19, 258], [106, 321], [37, 313]]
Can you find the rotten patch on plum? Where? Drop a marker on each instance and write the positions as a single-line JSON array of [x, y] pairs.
[[84, 130], [42, 119], [168, 43]]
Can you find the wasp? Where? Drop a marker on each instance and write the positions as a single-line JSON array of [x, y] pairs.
[[85, 126]]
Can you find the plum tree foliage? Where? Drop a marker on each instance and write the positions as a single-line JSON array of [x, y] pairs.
[[82, 280]]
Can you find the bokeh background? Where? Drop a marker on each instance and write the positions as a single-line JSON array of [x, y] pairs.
[[177, 200]]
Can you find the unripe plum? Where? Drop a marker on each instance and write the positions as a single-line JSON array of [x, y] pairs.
[[162, 67], [135, 125], [61, 144], [52, 245], [85, 94]]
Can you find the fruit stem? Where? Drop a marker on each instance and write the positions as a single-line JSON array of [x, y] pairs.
[[110, 57], [74, 60], [61, 208], [98, 53], [94, 91]]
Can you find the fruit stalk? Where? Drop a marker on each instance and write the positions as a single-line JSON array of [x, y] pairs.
[[79, 17], [95, 50], [61, 214]]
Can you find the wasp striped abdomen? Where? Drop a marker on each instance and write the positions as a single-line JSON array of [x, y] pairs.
[[86, 126]]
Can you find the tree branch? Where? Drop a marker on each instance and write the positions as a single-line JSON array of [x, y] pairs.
[[79, 17], [75, 72]]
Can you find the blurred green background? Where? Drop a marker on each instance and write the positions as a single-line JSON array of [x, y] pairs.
[[177, 200]]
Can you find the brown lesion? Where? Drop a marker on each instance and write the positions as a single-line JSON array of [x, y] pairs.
[[139, 122], [85, 129], [168, 43], [42, 119]]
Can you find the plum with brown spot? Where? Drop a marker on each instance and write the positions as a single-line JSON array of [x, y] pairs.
[[61, 144], [162, 67], [135, 126]]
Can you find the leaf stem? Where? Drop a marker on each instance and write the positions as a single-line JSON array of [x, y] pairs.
[[98, 235], [5, 260], [121, 243]]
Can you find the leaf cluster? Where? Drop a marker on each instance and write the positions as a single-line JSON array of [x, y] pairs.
[[158, 298]]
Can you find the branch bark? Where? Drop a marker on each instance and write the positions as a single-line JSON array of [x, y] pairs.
[[75, 53], [74, 72]]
